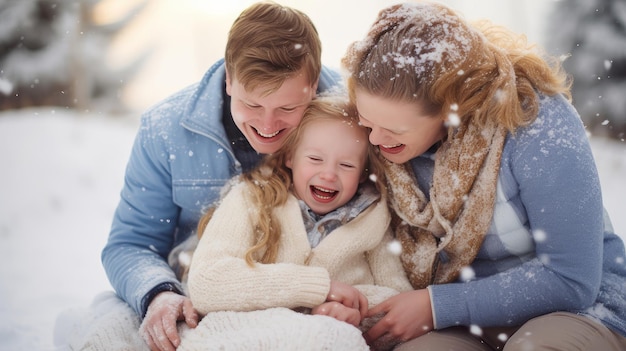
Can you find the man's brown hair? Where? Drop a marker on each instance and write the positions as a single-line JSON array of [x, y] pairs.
[[269, 43]]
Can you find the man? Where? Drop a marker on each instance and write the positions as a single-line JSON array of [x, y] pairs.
[[192, 143]]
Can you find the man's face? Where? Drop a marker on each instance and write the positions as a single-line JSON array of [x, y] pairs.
[[265, 120]]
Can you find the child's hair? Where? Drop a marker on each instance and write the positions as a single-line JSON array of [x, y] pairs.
[[268, 43], [271, 180], [424, 52]]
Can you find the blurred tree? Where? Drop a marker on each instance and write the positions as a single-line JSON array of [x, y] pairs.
[[52, 53], [593, 33]]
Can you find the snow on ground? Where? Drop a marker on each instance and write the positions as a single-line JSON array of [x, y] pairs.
[[59, 185]]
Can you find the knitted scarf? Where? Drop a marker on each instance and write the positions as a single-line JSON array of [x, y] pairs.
[[441, 236]]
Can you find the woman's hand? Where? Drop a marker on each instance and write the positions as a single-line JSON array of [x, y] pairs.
[[339, 311], [159, 326], [348, 296], [406, 316]]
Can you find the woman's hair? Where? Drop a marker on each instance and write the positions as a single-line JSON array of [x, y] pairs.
[[268, 43], [425, 53], [271, 180]]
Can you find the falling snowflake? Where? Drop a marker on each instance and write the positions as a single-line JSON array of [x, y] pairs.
[[467, 274], [395, 247]]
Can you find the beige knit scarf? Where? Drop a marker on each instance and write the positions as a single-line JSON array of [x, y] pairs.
[[441, 236]]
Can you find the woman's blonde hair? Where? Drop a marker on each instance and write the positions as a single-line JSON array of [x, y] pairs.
[[271, 180], [425, 53], [268, 43]]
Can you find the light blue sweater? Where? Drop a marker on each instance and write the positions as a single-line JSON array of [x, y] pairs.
[[550, 246]]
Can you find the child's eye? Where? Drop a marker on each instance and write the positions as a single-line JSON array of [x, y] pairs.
[[347, 165], [314, 158], [288, 109]]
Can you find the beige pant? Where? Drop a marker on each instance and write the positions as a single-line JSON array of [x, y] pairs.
[[554, 331]]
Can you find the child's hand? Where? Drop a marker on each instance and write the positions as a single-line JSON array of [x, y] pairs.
[[338, 311], [348, 296]]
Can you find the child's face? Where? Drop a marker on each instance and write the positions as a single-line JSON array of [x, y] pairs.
[[328, 164], [265, 120]]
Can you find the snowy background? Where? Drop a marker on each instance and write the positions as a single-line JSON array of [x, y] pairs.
[[59, 188], [62, 169]]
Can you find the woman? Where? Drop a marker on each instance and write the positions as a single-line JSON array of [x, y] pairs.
[[496, 193]]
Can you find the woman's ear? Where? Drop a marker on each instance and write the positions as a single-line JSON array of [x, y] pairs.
[[288, 162], [314, 90]]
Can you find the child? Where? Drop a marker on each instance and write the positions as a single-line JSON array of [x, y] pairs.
[[303, 227]]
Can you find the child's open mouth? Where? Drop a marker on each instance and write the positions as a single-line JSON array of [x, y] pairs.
[[323, 194]]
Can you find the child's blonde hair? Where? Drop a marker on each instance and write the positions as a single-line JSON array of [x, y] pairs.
[[270, 181], [269, 43]]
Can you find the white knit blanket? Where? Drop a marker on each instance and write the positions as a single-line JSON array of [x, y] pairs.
[[270, 329], [109, 324], [283, 329]]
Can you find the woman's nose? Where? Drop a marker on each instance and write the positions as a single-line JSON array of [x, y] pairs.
[[376, 136]]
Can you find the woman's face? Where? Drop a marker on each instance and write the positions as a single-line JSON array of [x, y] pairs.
[[399, 129]]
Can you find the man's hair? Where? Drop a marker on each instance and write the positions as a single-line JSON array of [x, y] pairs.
[[269, 43]]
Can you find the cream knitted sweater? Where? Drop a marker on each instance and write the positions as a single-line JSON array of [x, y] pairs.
[[355, 253]]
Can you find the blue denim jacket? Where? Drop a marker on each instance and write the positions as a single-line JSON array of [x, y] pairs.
[[179, 162]]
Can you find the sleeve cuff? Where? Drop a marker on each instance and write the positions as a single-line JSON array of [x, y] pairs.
[[432, 307], [145, 302]]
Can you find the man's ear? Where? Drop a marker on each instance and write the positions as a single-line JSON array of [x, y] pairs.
[[228, 83]]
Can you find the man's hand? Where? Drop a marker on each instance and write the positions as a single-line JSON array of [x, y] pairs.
[[406, 316], [159, 326]]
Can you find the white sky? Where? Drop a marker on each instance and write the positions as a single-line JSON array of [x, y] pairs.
[[187, 36]]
